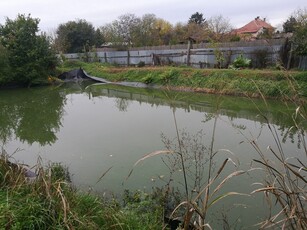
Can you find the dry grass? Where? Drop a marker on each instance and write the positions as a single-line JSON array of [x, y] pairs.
[[285, 183]]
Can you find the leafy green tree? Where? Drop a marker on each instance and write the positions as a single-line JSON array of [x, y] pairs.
[[197, 18], [29, 55], [77, 36], [4, 65], [145, 31], [163, 32], [179, 33], [300, 32], [99, 39], [289, 25]]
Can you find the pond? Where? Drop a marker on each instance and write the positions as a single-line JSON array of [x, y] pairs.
[[97, 129]]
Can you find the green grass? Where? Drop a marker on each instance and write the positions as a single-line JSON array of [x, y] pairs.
[[246, 82], [51, 202]]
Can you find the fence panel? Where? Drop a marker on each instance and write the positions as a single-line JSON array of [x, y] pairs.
[[201, 55]]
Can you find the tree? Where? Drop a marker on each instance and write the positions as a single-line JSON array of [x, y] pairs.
[[126, 26], [99, 39], [109, 33], [179, 33], [197, 18], [289, 25], [77, 36], [129, 30], [197, 32], [300, 32], [219, 27], [145, 32], [29, 55], [163, 32], [4, 65], [123, 31]]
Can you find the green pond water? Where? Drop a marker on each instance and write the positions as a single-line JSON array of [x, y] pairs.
[[93, 128]]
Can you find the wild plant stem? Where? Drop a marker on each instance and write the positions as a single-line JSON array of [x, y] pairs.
[[181, 157], [211, 148], [210, 164], [186, 218]]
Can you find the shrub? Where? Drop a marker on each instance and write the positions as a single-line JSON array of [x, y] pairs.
[[29, 54], [241, 62], [261, 58], [235, 38], [141, 64]]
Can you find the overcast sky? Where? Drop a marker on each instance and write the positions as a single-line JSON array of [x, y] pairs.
[[100, 12]]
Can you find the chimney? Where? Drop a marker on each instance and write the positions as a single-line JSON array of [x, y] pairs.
[[257, 18]]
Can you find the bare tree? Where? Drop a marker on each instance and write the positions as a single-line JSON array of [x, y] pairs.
[[127, 25], [219, 27]]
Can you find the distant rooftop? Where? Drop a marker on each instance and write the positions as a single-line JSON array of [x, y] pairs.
[[254, 26]]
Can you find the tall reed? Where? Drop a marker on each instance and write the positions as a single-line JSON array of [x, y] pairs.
[[285, 183]]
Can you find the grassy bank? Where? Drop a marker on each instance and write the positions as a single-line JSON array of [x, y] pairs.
[[51, 202], [245, 82]]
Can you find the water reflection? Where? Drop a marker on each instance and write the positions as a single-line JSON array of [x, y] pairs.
[[273, 112], [122, 104], [32, 115]]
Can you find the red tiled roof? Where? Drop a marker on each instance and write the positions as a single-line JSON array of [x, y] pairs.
[[254, 26]]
